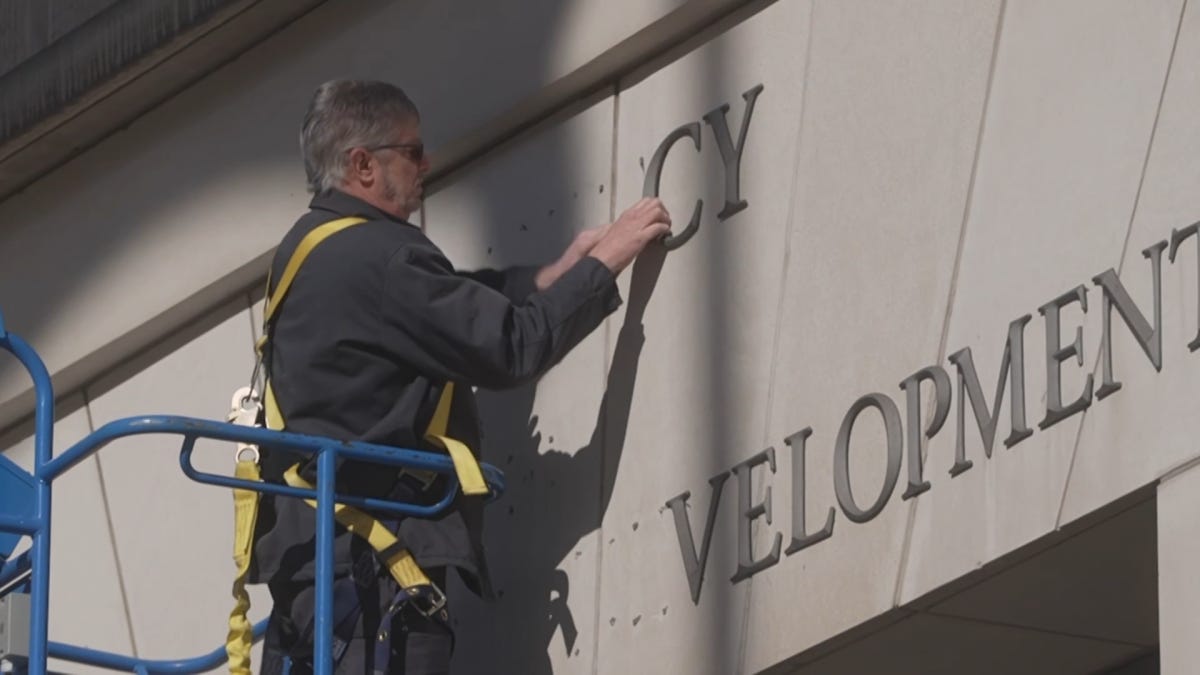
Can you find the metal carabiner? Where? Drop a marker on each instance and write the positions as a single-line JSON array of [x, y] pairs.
[[244, 410]]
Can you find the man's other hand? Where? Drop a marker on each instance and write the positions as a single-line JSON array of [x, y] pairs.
[[579, 248], [644, 222]]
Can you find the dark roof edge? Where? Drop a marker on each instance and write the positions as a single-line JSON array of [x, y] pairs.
[[116, 66]]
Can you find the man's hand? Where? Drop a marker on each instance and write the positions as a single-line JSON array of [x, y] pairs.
[[640, 224], [615, 245], [579, 248]]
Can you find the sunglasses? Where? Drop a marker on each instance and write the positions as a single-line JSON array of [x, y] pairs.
[[414, 151]]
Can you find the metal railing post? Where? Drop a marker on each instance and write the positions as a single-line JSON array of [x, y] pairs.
[[323, 653]]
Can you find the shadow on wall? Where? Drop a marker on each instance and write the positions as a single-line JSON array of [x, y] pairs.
[[542, 619], [518, 630], [724, 627]]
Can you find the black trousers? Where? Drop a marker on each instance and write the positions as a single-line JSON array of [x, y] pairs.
[[411, 643]]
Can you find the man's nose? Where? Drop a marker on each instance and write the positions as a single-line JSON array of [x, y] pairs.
[[426, 164]]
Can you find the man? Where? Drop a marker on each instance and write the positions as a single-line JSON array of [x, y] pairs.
[[374, 326]]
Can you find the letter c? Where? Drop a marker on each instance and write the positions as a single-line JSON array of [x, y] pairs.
[[654, 176]]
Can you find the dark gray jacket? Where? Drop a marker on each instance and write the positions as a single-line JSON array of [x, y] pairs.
[[374, 325]]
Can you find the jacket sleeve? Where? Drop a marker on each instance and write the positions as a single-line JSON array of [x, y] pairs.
[[515, 283], [450, 326]]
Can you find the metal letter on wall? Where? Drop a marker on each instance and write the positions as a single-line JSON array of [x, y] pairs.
[[841, 456], [912, 387], [1012, 366], [1177, 238], [1115, 295], [1056, 354], [693, 564], [651, 185], [731, 155], [800, 538], [748, 512]]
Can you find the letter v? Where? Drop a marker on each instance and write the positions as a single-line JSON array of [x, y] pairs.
[[694, 564]]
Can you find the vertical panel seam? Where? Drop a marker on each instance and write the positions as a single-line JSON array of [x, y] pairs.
[[112, 532], [603, 421], [1137, 198], [910, 527], [789, 227]]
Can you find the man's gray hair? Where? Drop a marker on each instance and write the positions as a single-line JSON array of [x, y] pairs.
[[344, 114]]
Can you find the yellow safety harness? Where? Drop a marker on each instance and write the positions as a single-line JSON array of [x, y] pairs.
[[398, 560]]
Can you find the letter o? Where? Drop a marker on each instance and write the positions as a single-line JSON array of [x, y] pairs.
[[841, 456]]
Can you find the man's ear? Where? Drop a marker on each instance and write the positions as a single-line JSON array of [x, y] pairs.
[[361, 166]]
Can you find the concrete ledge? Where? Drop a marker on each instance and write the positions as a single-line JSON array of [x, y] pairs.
[[116, 66]]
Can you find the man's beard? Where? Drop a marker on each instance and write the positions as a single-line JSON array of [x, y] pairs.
[[389, 189], [391, 192]]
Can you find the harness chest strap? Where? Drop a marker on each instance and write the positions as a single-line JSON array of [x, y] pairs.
[[400, 563], [470, 476], [466, 466]]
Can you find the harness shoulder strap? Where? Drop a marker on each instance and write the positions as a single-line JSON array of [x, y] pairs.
[[310, 241], [274, 299]]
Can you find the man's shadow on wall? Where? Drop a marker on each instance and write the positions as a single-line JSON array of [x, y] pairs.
[[554, 500]]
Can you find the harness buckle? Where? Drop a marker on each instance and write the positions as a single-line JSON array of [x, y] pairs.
[[430, 594]]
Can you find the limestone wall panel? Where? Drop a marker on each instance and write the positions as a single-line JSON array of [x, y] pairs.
[[174, 536], [1148, 427], [877, 203], [1065, 139], [696, 336]]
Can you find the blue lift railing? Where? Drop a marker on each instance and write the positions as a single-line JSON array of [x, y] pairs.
[[25, 506]]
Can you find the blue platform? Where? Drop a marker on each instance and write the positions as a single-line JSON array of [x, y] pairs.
[[25, 511]]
